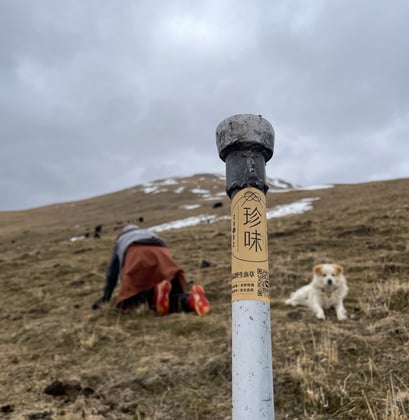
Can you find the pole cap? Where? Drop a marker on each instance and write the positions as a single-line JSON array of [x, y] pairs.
[[245, 132]]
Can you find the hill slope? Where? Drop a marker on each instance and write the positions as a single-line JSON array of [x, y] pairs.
[[143, 366]]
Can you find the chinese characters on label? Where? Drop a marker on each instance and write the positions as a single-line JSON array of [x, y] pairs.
[[250, 274], [251, 283]]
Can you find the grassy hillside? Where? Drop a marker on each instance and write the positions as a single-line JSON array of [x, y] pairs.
[[61, 360]]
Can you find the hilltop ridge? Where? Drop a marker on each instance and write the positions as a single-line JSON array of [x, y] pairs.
[[153, 201]]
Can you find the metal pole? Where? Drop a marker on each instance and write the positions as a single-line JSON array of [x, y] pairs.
[[246, 142]]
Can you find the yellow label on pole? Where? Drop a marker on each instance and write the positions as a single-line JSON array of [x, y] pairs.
[[250, 273]]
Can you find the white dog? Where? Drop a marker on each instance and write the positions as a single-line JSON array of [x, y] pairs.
[[327, 289]]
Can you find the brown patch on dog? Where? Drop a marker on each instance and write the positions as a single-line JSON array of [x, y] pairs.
[[317, 269], [339, 269]]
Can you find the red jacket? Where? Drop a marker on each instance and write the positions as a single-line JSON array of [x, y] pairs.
[[144, 267]]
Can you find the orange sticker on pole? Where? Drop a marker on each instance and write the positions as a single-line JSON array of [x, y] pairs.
[[250, 272]]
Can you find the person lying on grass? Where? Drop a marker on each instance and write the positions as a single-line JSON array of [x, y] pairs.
[[149, 274]]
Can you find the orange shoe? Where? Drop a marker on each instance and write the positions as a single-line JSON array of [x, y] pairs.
[[161, 297], [197, 301]]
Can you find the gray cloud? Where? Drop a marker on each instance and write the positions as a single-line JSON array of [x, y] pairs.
[[96, 96]]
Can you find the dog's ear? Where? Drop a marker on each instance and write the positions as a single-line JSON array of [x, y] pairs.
[[339, 269], [317, 269]]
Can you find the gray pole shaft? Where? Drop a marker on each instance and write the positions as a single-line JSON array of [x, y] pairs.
[[252, 372], [245, 142]]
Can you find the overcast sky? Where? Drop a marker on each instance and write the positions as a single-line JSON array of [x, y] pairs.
[[98, 96]]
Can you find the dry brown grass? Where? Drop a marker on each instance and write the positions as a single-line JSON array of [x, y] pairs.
[[145, 367]]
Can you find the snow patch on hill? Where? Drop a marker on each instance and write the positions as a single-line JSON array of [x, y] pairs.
[[298, 207]]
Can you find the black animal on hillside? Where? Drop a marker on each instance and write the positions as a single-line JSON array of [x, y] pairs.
[[97, 231]]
